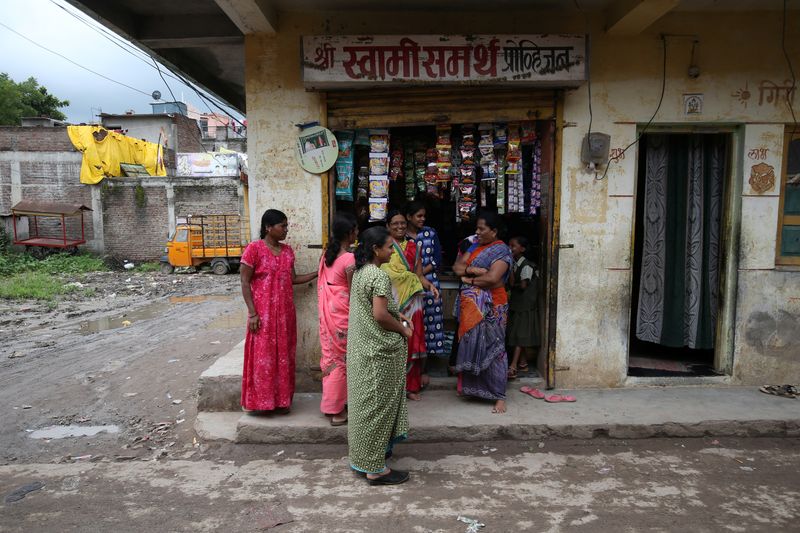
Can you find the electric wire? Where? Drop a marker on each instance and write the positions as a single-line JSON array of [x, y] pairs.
[[199, 136], [111, 37], [791, 92], [73, 62], [658, 108], [147, 58]]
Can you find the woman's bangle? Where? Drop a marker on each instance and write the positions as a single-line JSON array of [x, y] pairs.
[[251, 316]]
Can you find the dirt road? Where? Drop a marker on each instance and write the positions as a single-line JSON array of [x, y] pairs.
[[124, 351]]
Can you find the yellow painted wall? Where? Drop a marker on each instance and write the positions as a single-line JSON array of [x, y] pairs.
[[735, 53]]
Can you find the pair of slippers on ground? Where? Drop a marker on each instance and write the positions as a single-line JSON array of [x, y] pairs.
[[787, 391], [552, 398]]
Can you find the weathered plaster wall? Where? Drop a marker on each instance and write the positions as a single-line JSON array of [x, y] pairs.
[[597, 215]]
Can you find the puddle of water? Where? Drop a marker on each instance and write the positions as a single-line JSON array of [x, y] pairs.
[[157, 309], [62, 432], [235, 320], [201, 298], [105, 323]]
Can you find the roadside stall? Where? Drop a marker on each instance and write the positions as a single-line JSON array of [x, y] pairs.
[[51, 226]]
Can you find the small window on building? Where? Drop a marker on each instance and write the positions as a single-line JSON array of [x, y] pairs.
[[788, 252], [204, 126], [182, 236]]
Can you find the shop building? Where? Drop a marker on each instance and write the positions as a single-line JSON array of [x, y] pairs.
[[697, 100]]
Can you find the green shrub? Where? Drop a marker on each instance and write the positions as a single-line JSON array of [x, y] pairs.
[[153, 266], [33, 285], [61, 263]]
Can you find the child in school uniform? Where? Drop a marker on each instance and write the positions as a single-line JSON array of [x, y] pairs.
[[523, 308]]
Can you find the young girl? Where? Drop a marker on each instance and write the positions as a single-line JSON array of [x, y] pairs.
[[523, 309]]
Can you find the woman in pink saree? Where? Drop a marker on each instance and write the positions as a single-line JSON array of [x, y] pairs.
[[336, 267]]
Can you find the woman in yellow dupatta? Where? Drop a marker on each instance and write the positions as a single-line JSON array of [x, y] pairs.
[[408, 287]]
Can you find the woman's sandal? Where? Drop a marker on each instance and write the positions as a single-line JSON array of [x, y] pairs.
[[335, 423], [533, 393], [512, 373], [559, 398], [523, 368], [787, 391], [394, 477]]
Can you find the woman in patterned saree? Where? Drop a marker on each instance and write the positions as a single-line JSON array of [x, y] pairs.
[[482, 362], [336, 267], [267, 274], [408, 286], [376, 362], [430, 252]]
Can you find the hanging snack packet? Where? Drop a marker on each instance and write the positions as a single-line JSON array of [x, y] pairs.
[[344, 166], [361, 138], [466, 193], [500, 136], [379, 140], [363, 182], [467, 156], [444, 173], [377, 209], [443, 140], [379, 186], [378, 164], [467, 174], [528, 134]]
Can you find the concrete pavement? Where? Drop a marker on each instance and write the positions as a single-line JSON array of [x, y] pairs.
[[616, 413]]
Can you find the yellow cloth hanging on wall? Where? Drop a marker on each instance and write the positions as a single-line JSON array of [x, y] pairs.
[[104, 150]]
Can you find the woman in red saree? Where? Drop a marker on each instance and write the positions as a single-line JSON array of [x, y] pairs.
[[336, 267], [408, 287], [267, 274]]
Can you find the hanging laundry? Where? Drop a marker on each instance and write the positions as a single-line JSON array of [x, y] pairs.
[[104, 150]]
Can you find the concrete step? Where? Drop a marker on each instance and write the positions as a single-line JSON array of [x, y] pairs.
[[220, 387], [221, 384], [615, 413]]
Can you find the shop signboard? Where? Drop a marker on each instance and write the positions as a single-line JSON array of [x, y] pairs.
[[316, 149], [386, 60]]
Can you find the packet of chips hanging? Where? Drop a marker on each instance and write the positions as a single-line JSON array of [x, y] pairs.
[[344, 165], [377, 209], [528, 132], [361, 138], [379, 186], [378, 140], [443, 140], [500, 136], [363, 182], [378, 164]]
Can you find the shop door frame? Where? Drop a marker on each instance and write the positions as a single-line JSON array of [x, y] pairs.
[[730, 229], [552, 230]]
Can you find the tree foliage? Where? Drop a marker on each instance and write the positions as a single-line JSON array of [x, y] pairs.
[[27, 99]]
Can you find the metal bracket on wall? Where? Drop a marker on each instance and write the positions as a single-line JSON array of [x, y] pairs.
[[566, 246], [315, 246]]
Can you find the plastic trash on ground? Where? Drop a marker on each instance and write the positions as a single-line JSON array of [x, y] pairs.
[[473, 525]]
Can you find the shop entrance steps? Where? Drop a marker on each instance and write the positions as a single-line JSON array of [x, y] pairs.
[[441, 416]]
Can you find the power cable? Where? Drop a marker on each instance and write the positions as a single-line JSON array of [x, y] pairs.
[[146, 58], [112, 37], [199, 137], [658, 107], [73, 62]]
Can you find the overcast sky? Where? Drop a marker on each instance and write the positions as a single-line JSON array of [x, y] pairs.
[[44, 22]]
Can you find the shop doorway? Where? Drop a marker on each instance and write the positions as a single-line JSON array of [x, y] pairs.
[[678, 254], [413, 119]]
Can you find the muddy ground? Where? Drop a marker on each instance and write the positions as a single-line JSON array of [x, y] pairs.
[[124, 350]]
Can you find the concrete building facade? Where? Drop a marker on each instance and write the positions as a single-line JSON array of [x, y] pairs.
[[676, 67]]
